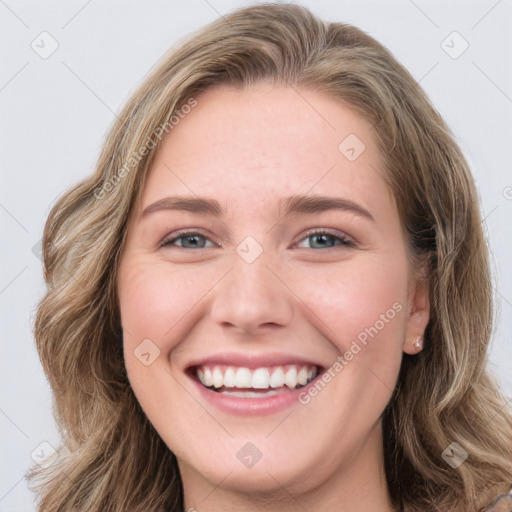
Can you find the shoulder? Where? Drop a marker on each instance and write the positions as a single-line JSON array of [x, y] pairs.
[[502, 503]]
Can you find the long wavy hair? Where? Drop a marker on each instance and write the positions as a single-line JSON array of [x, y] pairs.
[[111, 458]]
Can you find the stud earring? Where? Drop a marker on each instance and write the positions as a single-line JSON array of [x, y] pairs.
[[419, 342]]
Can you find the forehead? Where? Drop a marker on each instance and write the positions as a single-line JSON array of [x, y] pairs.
[[267, 142]]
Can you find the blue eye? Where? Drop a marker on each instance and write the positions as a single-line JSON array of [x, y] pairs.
[[190, 240], [324, 239], [319, 240]]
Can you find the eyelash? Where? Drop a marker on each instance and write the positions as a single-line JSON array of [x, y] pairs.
[[345, 241]]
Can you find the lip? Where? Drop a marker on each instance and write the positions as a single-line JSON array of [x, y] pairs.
[[252, 361], [251, 406]]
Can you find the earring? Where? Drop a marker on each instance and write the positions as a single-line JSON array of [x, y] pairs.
[[419, 342]]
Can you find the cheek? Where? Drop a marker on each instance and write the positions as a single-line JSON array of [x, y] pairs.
[[156, 302], [354, 296], [361, 308]]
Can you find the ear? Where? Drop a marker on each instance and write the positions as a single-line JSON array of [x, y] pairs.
[[418, 314]]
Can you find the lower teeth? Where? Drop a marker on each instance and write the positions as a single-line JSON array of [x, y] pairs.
[[246, 393], [249, 394]]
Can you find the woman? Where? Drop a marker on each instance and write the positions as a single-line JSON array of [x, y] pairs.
[[274, 290]]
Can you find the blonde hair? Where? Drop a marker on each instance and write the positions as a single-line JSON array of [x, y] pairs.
[[111, 458]]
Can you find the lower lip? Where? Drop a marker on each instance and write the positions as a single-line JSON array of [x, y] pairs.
[[252, 406]]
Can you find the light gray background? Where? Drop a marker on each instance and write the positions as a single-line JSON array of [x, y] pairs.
[[56, 110]]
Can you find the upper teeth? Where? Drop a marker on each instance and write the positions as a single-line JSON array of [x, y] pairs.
[[258, 378]]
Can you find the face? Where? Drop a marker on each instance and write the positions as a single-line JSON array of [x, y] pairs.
[[265, 292]]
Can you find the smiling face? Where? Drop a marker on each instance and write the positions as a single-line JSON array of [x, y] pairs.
[[268, 290]]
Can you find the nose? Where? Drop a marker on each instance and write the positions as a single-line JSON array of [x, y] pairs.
[[252, 298]]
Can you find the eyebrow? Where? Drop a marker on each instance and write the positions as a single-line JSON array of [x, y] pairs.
[[296, 204]]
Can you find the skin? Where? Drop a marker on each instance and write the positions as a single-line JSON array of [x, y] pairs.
[[249, 149]]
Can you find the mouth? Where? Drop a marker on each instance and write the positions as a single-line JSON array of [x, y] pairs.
[[262, 382]]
